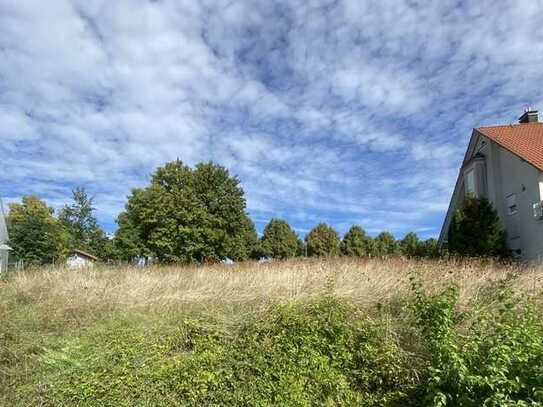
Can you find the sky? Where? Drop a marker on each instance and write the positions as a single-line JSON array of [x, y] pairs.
[[345, 112]]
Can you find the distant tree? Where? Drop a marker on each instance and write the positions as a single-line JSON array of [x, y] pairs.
[[36, 236], [356, 243], [411, 246], [430, 248], [245, 244], [386, 245], [476, 230], [322, 240], [279, 240], [301, 250], [187, 215], [128, 241], [83, 230]]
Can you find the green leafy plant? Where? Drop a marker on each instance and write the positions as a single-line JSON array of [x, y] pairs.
[[298, 354], [497, 361]]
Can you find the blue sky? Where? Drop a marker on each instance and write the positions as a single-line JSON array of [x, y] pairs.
[[348, 112]]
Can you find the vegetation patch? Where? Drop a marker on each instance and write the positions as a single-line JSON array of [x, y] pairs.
[[427, 347]]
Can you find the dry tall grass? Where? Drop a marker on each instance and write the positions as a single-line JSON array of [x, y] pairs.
[[365, 282]]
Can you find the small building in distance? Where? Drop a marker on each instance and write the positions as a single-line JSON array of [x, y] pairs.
[[79, 259]]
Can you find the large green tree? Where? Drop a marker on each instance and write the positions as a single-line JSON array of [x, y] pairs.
[[322, 240], [84, 232], [356, 243], [476, 230], [187, 215], [36, 236], [279, 240]]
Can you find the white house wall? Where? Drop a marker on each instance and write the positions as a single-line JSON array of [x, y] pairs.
[[509, 174], [77, 261]]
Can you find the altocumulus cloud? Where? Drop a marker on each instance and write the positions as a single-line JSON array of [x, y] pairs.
[[339, 111]]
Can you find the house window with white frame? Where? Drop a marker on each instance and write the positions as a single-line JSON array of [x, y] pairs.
[[469, 182], [511, 204]]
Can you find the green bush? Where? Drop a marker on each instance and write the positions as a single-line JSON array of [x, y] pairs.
[[297, 355], [419, 351], [496, 361]]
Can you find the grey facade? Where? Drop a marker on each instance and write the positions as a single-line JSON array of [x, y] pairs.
[[512, 184]]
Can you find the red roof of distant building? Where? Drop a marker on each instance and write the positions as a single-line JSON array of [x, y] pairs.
[[524, 140]]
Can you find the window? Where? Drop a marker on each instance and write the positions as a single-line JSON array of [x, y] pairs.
[[469, 182], [511, 204]]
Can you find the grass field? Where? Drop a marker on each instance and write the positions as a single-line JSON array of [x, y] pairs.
[[301, 332]]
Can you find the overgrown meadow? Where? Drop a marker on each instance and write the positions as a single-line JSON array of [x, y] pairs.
[[295, 333]]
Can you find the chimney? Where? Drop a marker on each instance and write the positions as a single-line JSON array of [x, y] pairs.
[[529, 116]]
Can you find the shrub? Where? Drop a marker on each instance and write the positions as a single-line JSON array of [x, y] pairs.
[[322, 240], [476, 230], [279, 240], [296, 354], [498, 361]]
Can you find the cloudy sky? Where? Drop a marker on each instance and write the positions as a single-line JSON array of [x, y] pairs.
[[340, 111]]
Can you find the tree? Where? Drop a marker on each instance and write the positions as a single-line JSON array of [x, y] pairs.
[[476, 230], [279, 240], [430, 248], [411, 246], [357, 243], [36, 236], [322, 240], [84, 232], [385, 245], [187, 215], [301, 251]]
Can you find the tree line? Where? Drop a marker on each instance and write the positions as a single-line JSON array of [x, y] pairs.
[[199, 215]]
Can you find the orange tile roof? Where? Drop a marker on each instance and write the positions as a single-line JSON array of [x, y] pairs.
[[524, 140]]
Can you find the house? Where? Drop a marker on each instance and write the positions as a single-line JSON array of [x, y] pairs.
[[79, 258], [505, 165], [4, 248]]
